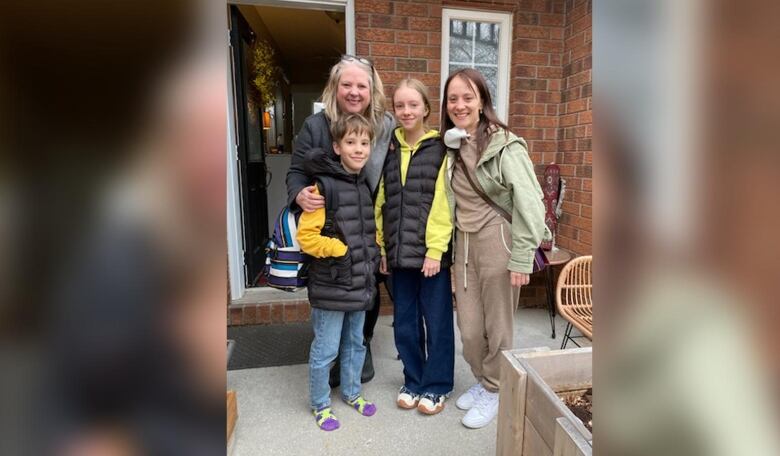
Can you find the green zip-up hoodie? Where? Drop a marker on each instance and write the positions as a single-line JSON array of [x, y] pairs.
[[506, 175]]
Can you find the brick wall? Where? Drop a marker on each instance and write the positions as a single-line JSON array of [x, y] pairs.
[[575, 227]]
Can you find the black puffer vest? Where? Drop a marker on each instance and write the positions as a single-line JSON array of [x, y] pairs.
[[345, 283], [406, 208]]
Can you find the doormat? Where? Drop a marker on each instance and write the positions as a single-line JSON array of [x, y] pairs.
[[269, 345]]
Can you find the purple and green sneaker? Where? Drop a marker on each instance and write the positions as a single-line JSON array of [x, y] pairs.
[[363, 406], [326, 420]]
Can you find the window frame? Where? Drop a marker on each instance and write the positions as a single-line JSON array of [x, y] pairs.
[[504, 51]]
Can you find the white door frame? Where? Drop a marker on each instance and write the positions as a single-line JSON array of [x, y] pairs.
[[235, 236]]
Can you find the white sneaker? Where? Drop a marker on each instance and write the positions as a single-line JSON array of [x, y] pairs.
[[466, 400], [483, 411], [407, 399]]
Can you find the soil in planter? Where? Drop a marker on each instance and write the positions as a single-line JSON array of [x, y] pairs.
[[580, 405]]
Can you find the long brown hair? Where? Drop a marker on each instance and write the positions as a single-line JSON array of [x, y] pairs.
[[487, 118]]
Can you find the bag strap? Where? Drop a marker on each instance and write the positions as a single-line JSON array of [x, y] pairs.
[[482, 194]]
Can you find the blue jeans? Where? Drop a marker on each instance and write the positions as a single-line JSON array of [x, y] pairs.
[[330, 328], [422, 308]]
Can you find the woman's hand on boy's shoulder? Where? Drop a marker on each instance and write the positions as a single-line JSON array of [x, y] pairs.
[[309, 200]]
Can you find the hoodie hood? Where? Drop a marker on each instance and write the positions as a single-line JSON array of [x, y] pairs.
[[499, 140]]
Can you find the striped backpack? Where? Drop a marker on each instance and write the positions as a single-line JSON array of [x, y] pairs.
[[286, 267]]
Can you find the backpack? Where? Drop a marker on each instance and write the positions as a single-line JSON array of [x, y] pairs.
[[286, 267]]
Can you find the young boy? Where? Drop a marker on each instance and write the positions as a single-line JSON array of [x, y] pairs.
[[342, 242]]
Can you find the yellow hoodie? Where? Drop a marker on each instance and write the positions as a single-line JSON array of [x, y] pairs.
[[438, 229]]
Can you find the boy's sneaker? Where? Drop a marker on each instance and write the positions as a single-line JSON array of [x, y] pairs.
[[326, 420], [363, 406], [431, 404], [467, 399], [483, 411], [406, 399]]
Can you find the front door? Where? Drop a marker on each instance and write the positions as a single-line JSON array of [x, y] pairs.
[[251, 149]]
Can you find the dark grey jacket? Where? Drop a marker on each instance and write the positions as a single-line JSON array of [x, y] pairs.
[[346, 283], [315, 133], [406, 208]]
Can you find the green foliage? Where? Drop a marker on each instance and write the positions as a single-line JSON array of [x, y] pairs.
[[265, 71]]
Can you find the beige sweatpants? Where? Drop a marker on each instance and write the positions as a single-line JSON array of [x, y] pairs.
[[486, 301]]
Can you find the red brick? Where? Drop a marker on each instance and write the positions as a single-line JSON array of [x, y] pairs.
[[435, 11], [277, 313], [236, 315], [585, 117], [533, 31], [393, 50], [581, 51], [545, 122], [524, 96], [581, 24], [567, 145], [554, 85], [263, 314], [524, 71], [530, 133], [584, 198], [523, 18], [587, 185], [528, 109], [392, 22], [384, 64], [552, 109], [429, 24], [550, 133], [586, 237], [545, 146], [579, 79], [411, 9], [574, 41], [549, 72], [548, 97], [517, 121], [375, 34], [290, 313], [527, 45], [539, 6], [362, 20], [556, 33], [425, 52], [531, 84], [416, 65], [576, 105], [556, 20], [581, 131], [373, 6], [585, 171], [363, 48], [550, 46], [250, 313], [430, 79], [412, 38], [434, 38], [573, 158], [587, 212]]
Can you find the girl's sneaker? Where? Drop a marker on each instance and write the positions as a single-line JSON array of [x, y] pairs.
[[467, 399], [326, 420], [363, 406], [407, 399], [431, 404]]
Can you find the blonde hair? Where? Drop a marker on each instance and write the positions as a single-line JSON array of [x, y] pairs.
[[350, 123], [376, 107], [422, 89]]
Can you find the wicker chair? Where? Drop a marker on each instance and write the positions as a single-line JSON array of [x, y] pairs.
[[573, 298]]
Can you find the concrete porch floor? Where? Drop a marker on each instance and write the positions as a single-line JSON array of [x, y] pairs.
[[274, 417]]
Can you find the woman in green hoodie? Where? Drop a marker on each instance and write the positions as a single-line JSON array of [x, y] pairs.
[[497, 208]]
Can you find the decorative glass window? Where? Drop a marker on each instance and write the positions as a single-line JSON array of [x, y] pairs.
[[480, 40]]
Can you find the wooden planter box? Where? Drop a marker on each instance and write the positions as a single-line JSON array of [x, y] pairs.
[[532, 420]]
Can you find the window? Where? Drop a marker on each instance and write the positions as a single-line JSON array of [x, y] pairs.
[[480, 40]]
